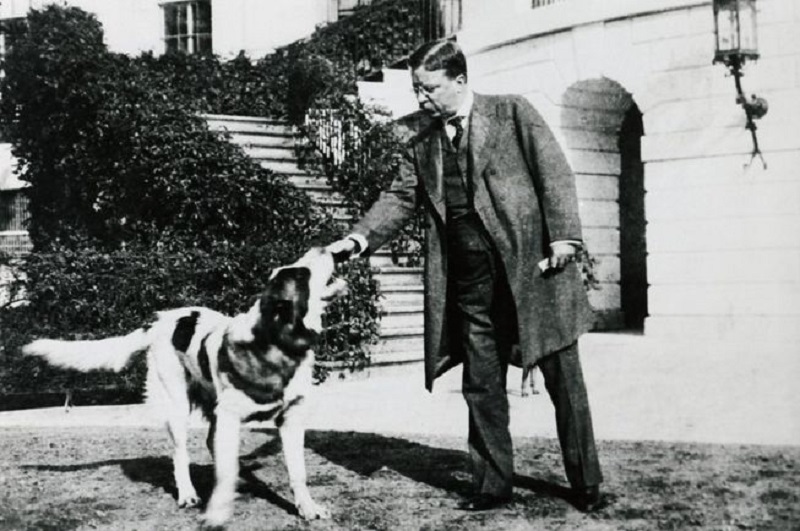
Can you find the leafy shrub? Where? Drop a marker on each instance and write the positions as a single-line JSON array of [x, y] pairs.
[[105, 149], [207, 84], [360, 151], [374, 36], [87, 294], [348, 326], [309, 78], [135, 205]]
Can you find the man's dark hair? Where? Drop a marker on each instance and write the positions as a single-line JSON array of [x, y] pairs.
[[440, 55]]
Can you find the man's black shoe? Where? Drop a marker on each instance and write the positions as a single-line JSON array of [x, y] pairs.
[[589, 499], [484, 502]]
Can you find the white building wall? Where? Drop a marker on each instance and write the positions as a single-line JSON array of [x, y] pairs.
[[129, 26], [722, 234], [256, 27], [723, 237]]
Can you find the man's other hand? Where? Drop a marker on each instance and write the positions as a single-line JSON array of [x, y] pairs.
[[562, 253]]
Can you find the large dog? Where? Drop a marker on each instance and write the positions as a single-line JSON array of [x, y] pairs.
[[256, 364]]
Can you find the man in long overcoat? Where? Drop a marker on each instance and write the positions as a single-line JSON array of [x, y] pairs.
[[501, 283]]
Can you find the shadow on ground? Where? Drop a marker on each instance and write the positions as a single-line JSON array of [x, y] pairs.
[[157, 472], [122, 479]]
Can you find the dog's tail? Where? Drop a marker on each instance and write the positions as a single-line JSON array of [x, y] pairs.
[[113, 353]]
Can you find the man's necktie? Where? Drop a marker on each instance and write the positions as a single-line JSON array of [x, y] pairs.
[[456, 123]]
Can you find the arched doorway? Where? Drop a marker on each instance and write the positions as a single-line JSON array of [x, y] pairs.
[[602, 126], [632, 223]]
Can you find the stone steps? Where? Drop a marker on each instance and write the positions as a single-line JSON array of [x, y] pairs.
[[278, 164], [272, 144], [236, 125]]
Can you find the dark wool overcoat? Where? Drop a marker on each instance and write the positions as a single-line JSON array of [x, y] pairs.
[[524, 192]]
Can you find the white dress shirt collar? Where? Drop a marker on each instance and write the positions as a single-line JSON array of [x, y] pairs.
[[466, 105]]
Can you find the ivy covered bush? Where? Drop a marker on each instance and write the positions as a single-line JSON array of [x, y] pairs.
[[360, 161], [136, 206]]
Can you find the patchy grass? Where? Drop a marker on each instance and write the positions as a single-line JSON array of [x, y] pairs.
[[121, 479]]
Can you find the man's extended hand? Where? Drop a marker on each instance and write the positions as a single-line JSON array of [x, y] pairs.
[[342, 249], [562, 253]]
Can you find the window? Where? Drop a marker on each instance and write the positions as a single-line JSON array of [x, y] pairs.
[[346, 7], [11, 30], [187, 27], [440, 18], [13, 210], [14, 239], [542, 3]]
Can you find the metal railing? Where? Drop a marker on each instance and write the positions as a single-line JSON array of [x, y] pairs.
[[440, 18], [329, 136]]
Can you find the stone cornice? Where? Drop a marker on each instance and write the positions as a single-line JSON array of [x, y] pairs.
[[518, 23]]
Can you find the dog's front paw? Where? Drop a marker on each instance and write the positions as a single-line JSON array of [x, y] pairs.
[[188, 501], [311, 510], [215, 517]]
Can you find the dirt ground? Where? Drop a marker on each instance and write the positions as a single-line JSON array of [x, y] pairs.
[[121, 479]]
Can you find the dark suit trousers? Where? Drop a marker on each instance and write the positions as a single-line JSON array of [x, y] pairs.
[[482, 320]]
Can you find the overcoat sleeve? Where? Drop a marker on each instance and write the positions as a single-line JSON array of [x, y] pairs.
[[395, 206], [552, 176]]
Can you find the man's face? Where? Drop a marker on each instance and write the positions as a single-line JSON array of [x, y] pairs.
[[438, 94]]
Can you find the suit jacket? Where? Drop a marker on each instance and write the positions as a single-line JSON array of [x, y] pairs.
[[524, 192]]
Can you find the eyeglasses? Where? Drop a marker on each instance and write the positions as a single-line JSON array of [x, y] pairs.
[[421, 89]]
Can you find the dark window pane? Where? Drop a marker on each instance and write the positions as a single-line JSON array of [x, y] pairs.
[[171, 45], [183, 19], [175, 19], [202, 17], [170, 20], [203, 44], [184, 35]]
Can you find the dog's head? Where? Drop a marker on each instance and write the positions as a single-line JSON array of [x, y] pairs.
[[292, 306]]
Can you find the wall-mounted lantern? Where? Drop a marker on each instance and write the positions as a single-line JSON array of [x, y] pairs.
[[736, 42]]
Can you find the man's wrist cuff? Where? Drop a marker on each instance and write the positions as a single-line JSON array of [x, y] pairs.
[[576, 243], [360, 243]]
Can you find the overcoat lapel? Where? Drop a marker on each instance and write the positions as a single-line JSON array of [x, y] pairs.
[[483, 132], [430, 158], [482, 136]]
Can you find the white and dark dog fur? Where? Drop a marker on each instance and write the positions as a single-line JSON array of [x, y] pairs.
[[255, 364]]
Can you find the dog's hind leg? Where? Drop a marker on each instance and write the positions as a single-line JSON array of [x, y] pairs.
[[178, 425], [226, 465], [169, 388]]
